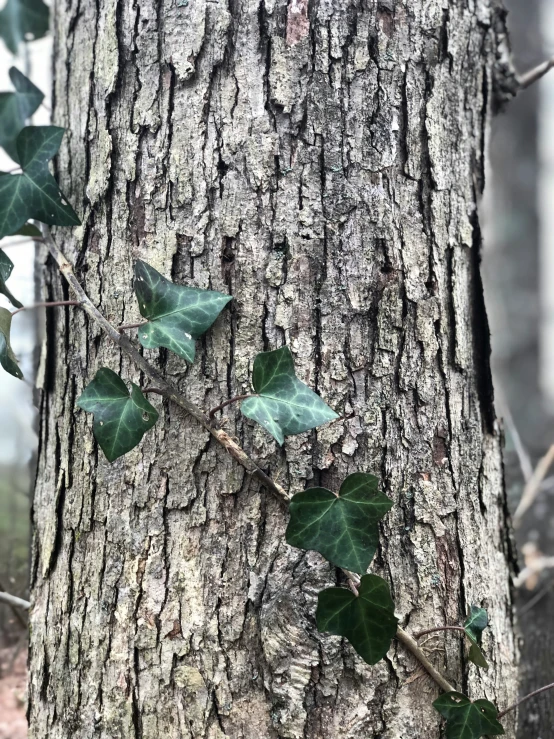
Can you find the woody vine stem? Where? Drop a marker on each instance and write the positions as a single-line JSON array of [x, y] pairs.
[[236, 451]]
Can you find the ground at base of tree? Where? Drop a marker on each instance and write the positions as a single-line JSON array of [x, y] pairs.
[[13, 687]]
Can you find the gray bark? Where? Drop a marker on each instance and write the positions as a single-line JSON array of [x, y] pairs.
[[323, 166]]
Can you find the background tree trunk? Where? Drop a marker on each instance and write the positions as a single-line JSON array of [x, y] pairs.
[[323, 166]]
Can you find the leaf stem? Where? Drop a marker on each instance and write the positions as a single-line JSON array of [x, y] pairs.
[[231, 446], [126, 326], [236, 398], [412, 646], [439, 628], [535, 74], [152, 390], [525, 698], [47, 305]]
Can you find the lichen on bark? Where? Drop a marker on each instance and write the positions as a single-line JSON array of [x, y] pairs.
[[324, 167]]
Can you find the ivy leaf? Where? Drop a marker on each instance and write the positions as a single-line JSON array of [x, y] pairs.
[[466, 719], [283, 405], [28, 230], [15, 109], [344, 527], [366, 620], [23, 20], [7, 357], [474, 625], [6, 266], [34, 193], [177, 315], [121, 418]]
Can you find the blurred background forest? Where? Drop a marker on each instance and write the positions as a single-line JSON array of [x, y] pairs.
[[517, 217]]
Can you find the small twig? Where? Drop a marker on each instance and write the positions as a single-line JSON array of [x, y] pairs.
[[152, 390], [439, 628], [522, 455], [526, 698], [13, 600], [126, 326], [220, 407], [538, 565], [535, 74], [532, 488], [353, 586], [46, 305], [412, 646], [168, 390]]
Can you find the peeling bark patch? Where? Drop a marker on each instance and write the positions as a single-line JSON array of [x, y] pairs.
[[298, 25]]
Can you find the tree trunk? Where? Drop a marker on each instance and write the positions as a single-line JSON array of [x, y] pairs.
[[322, 164]]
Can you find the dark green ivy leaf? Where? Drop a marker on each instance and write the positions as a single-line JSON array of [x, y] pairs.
[[7, 357], [284, 405], [120, 418], [23, 20], [28, 230], [474, 626], [467, 720], [366, 620], [15, 109], [34, 193], [177, 315], [6, 266], [344, 527]]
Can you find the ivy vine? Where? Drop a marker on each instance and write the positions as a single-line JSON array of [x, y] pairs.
[[343, 525]]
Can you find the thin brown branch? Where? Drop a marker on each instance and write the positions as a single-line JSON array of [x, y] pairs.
[[152, 390], [439, 628], [535, 74], [53, 304], [126, 326], [533, 486], [412, 646], [526, 698], [164, 388], [13, 600], [220, 407], [168, 390]]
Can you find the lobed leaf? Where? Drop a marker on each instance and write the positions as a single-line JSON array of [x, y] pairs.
[[15, 108], [466, 719], [34, 193], [284, 405], [6, 266], [7, 357], [177, 315], [474, 625], [366, 620], [121, 418], [23, 20], [344, 527]]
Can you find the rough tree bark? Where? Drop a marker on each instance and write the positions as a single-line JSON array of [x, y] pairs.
[[323, 165]]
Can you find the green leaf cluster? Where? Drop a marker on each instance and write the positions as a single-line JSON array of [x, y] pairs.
[[177, 315], [7, 357], [474, 625], [34, 193], [367, 619], [15, 109], [283, 405], [342, 527], [23, 20], [466, 719], [6, 267], [121, 418]]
